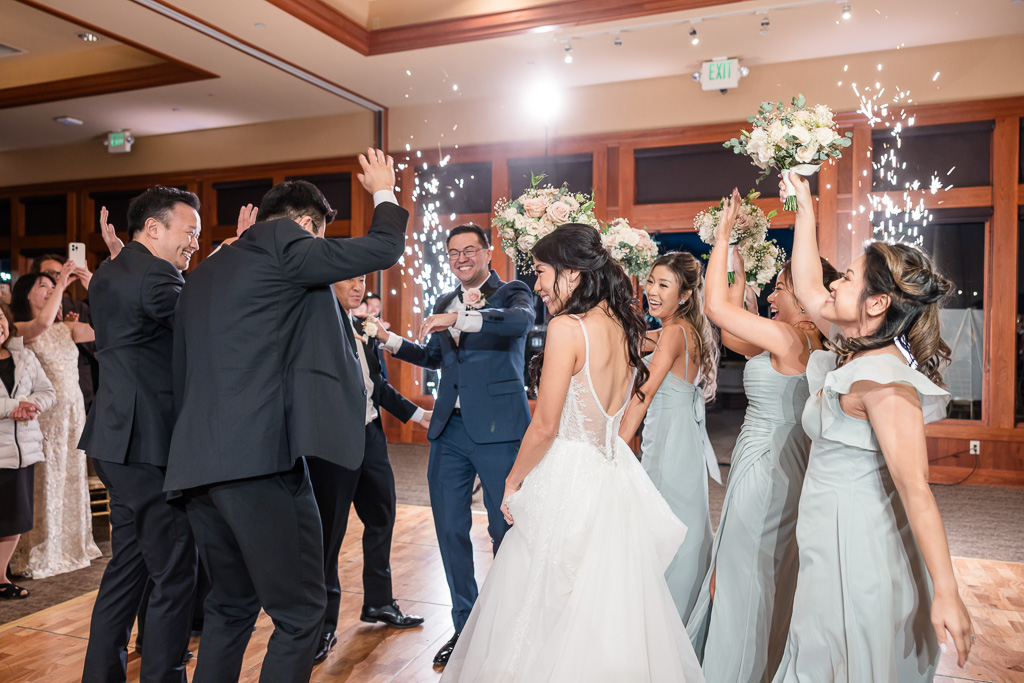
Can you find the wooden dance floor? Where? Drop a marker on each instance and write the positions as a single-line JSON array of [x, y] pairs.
[[49, 646]]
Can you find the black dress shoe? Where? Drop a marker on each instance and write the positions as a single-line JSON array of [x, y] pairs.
[[445, 653], [327, 641], [390, 615]]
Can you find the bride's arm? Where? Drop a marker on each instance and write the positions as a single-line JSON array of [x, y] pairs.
[[563, 350]]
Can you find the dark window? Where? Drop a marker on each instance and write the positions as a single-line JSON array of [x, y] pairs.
[[1020, 316], [5, 217], [958, 154], [232, 196], [575, 169], [955, 239], [692, 173], [456, 188], [46, 215], [116, 202], [337, 188]]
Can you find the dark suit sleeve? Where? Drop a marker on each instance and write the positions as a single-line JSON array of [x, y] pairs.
[[516, 319], [395, 403], [159, 291], [424, 355], [314, 262], [178, 363]]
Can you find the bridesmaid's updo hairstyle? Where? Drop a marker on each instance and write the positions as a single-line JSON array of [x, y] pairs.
[[915, 291], [578, 247], [690, 275], [20, 306]]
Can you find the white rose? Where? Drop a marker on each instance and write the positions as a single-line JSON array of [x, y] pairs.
[[804, 116], [824, 136], [777, 132], [630, 237], [533, 228], [805, 155], [764, 155], [802, 135], [526, 242], [823, 115]]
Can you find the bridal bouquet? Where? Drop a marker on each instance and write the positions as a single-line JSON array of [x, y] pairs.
[[798, 138], [535, 213], [631, 247], [761, 261], [750, 228]]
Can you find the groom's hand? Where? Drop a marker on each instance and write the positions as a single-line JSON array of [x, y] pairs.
[[434, 323], [378, 171]]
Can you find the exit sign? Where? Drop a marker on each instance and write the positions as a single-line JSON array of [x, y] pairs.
[[119, 142], [720, 74]]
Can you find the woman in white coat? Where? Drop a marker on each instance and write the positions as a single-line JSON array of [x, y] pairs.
[[25, 392]]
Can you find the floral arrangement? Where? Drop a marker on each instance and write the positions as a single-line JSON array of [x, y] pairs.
[[631, 247], [535, 213], [761, 261], [798, 138], [750, 228], [370, 327]]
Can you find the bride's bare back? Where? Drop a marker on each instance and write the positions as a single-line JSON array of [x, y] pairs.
[[610, 371]]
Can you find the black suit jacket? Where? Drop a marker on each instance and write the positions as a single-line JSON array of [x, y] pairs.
[[384, 395], [132, 299], [258, 376]]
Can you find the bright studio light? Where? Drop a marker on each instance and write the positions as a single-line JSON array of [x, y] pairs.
[[544, 100], [568, 53], [693, 36], [846, 11]]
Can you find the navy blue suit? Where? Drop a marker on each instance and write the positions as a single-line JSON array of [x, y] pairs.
[[484, 371]]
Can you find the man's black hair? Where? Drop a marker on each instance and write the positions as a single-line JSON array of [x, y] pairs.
[[157, 202], [295, 199]]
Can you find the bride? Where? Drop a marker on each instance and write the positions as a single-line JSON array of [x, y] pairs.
[[577, 590]]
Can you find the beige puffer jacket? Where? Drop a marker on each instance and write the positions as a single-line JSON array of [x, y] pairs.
[[21, 444]]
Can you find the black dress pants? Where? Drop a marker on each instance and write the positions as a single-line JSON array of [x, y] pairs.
[[371, 488], [149, 538], [260, 542]]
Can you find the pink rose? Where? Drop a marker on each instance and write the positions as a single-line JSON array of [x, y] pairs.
[[559, 213], [534, 206], [571, 201], [473, 298]]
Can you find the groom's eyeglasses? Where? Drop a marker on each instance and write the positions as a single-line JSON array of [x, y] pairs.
[[468, 252]]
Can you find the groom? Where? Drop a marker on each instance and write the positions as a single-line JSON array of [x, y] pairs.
[[481, 411]]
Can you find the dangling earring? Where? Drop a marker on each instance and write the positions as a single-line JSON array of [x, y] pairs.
[[802, 311]]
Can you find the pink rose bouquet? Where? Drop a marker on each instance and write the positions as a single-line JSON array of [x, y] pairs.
[[751, 226]]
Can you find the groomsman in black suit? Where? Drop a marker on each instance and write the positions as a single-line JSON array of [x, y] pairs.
[[262, 384], [371, 488], [128, 435]]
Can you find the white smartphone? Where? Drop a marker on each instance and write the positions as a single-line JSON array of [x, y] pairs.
[[76, 254]]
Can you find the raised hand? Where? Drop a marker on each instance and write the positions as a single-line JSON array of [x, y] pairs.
[[441, 321], [802, 190], [378, 171], [110, 238], [71, 317], [246, 218], [727, 217], [84, 276], [67, 274]]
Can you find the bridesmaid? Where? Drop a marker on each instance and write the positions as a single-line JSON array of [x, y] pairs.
[[869, 532], [749, 588], [676, 451]]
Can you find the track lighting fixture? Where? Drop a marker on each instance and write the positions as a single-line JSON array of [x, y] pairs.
[[568, 53], [693, 36], [846, 11], [765, 24]]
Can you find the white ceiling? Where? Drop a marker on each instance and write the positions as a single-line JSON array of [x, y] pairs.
[[249, 91]]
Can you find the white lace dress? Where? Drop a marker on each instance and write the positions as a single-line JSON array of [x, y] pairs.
[[61, 538], [577, 591]]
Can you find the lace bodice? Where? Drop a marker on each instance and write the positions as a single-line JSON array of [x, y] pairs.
[[583, 417]]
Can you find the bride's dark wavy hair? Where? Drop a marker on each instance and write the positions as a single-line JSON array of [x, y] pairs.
[[578, 247]]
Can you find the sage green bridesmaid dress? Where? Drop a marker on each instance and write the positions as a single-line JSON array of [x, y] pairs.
[[861, 613], [740, 635], [677, 455]]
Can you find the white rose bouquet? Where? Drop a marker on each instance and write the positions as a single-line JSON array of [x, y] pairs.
[[750, 228], [631, 247], [761, 261], [796, 138], [535, 213]]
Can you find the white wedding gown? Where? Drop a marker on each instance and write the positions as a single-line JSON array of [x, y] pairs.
[[577, 591]]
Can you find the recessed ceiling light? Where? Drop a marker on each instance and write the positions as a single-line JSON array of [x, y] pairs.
[[89, 37], [68, 121], [260, 25]]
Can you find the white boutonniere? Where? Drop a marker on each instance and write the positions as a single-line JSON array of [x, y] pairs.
[[473, 298], [370, 328]]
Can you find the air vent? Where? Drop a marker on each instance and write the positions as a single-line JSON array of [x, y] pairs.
[[9, 50]]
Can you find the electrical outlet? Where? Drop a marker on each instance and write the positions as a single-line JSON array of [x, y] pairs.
[[975, 448]]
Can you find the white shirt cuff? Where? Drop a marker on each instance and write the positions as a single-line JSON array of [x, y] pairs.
[[418, 415], [469, 321], [393, 344], [381, 196]]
